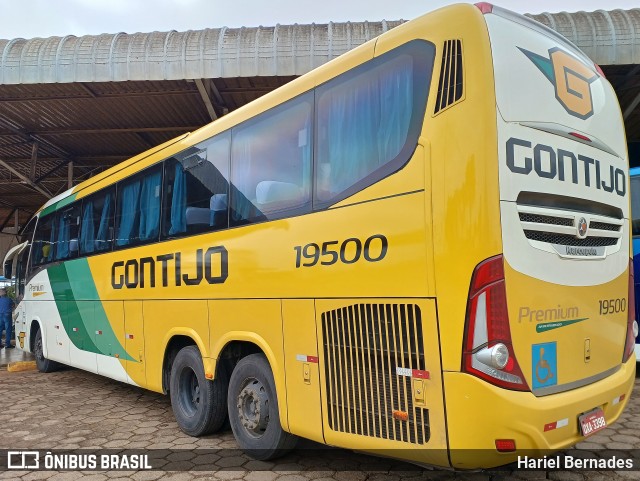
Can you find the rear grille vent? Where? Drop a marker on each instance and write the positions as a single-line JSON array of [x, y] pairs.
[[545, 219], [451, 78], [605, 226], [570, 240], [364, 344], [563, 222]]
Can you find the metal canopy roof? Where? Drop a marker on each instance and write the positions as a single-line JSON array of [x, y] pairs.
[[283, 50], [90, 102]]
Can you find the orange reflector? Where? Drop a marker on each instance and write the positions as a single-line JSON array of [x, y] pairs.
[[208, 376], [505, 445], [401, 415], [117, 355]]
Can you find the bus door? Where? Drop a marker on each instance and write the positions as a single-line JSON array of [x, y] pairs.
[[15, 263]]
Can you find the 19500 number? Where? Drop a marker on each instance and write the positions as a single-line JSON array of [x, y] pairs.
[[351, 250], [612, 306]]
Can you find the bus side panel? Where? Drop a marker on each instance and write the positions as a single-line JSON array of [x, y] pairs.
[[134, 343], [301, 368], [259, 322], [381, 377], [464, 175], [162, 321]]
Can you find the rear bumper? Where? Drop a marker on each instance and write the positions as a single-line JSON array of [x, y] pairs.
[[478, 413]]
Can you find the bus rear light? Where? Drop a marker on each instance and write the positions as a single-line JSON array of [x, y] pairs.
[[496, 356], [485, 7], [488, 350], [505, 445], [580, 136], [599, 70], [632, 324]]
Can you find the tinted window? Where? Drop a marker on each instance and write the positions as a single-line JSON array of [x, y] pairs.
[[44, 240], [369, 119], [635, 205], [271, 163], [196, 189], [138, 208], [96, 234], [67, 228]]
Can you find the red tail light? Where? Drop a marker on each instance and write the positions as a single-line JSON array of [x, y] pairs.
[[632, 325], [599, 70], [488, 351], [485, 7]]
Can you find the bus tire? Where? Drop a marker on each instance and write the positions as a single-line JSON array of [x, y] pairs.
[[199, 405], [42, 363], [253, 410]]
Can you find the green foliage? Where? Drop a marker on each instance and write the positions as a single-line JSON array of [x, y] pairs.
[[11, 292]]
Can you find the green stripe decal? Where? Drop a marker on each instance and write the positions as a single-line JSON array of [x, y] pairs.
[[58, 205], [549, 326], [82, 311]]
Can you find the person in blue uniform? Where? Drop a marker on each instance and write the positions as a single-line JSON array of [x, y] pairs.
[[6, 308]]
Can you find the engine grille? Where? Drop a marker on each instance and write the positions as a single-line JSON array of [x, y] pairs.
[[570, 240], [605, 226], [363, 346], [545, 219], [567, 221]]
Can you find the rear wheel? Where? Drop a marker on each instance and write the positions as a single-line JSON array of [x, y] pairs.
[[253, 410], [199, 405], [43, 364]]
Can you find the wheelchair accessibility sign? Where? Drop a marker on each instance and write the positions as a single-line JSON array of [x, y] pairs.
[[544, 364]]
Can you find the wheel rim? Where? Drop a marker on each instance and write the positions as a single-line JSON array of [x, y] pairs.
[[253, 407], [189, 391]]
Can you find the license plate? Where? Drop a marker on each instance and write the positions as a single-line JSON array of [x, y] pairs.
[[592, 422]]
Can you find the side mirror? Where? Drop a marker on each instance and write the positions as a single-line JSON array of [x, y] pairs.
[[8, 269]]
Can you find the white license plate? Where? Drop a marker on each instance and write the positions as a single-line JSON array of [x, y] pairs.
[[592, 422]]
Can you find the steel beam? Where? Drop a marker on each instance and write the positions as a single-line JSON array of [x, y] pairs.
[[183, 128], [7, 219], [204, 94], [33, 184], [34, 159]]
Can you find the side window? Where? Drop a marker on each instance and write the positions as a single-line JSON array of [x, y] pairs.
[[96, 232], [271, 163], [44, 240], [196, 188], [138, 208], [67, 230], [369, 119]]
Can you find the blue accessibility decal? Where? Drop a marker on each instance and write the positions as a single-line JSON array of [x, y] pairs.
[[544, 364]]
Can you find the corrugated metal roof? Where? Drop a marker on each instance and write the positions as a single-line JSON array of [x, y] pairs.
[[283, 50], [607, 37]]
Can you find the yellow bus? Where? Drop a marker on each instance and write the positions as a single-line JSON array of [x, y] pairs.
[[420, 249]]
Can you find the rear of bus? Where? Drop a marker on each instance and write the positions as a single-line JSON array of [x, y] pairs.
[[549, 335], [634, 184]]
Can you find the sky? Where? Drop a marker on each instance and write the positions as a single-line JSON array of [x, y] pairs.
[[46, 18]]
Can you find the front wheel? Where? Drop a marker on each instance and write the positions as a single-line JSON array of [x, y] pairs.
[[253, 410], [43, 364], [199, 405]]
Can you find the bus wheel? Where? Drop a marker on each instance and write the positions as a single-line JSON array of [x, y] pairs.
[[43, 364], [253, 410], [199, 405]]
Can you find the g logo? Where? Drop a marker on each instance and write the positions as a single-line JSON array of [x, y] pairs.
[[573, 83], [571, 80]]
